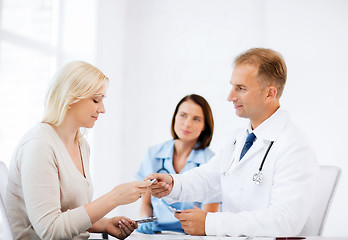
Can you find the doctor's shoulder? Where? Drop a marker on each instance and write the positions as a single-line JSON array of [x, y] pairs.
[[293, 136], [294, 143]]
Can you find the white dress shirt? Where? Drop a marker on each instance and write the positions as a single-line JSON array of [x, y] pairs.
[[279, 205]]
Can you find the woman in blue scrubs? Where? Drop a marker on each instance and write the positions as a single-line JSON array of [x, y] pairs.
[[192, 130]]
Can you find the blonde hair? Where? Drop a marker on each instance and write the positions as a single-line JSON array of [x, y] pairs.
[[75, 81]]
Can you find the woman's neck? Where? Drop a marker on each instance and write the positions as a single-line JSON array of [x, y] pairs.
[[66, 133], [182, 151], [182, 148]]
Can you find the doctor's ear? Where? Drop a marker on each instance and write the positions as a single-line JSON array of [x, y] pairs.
[[272, 92]]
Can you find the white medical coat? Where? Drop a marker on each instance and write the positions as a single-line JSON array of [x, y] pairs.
[[279, 205]]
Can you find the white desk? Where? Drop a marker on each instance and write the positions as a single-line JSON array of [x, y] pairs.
[[139, 236]]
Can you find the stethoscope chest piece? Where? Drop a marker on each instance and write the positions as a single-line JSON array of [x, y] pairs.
[[258, 177]]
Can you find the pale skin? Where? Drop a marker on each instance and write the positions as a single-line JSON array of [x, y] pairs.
[[189, 123], [250, 101], [84, 113]]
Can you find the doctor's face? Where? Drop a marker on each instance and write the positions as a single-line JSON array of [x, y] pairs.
[[189, 121], [246, 94]]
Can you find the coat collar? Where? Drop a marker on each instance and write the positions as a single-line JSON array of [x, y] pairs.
[[271, 128]]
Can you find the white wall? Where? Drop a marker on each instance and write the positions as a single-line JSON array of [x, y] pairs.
[[157, 51], [313, 37]]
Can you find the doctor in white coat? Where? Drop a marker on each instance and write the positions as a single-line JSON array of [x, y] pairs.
[[264, 176]]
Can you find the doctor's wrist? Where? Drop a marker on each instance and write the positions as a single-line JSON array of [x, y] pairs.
[[171, 181]]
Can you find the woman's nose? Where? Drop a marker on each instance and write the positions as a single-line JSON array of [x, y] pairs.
[[101, 108], [187, 122]]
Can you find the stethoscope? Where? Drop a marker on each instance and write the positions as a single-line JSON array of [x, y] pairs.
[[164, 170], [257, 177]]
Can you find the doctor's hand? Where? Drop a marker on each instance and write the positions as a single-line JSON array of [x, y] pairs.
[[163, 186], [120, 227], [192, 220], [129, 192]]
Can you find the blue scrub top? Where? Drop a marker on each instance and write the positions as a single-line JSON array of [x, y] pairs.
[[152, 163]]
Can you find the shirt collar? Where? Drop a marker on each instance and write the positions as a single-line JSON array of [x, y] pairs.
[[167, 151], [196, 156], [271, 128]]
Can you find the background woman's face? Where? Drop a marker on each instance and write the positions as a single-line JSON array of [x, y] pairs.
[[189, 121]]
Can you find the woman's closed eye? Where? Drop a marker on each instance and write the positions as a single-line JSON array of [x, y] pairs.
[[241, 88]]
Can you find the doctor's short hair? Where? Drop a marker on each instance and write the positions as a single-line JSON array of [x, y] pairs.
[[74, 81], [207, 134], [271, 67]]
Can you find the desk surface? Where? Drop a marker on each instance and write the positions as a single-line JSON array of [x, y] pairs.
[[169, 236]]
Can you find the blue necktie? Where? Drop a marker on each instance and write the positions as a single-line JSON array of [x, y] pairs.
[[248, 143]]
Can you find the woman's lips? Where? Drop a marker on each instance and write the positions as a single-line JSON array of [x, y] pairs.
[[186, 132]]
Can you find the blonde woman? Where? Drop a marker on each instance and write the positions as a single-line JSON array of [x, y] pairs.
[[49, 193]]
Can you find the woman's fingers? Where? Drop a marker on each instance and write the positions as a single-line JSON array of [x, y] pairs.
[[125, 226]]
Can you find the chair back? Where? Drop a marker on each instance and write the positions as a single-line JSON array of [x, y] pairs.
[[328, 178], [5, 227]]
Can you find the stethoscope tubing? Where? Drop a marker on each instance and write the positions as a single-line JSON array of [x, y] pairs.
[[257, 177], [264, 158], [163, 168]]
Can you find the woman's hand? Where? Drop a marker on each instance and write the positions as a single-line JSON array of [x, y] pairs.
[[130, 192], [120, 227], [120, 195]]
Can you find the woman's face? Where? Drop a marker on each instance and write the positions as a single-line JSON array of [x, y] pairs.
[[189, 121], [86, 111]]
